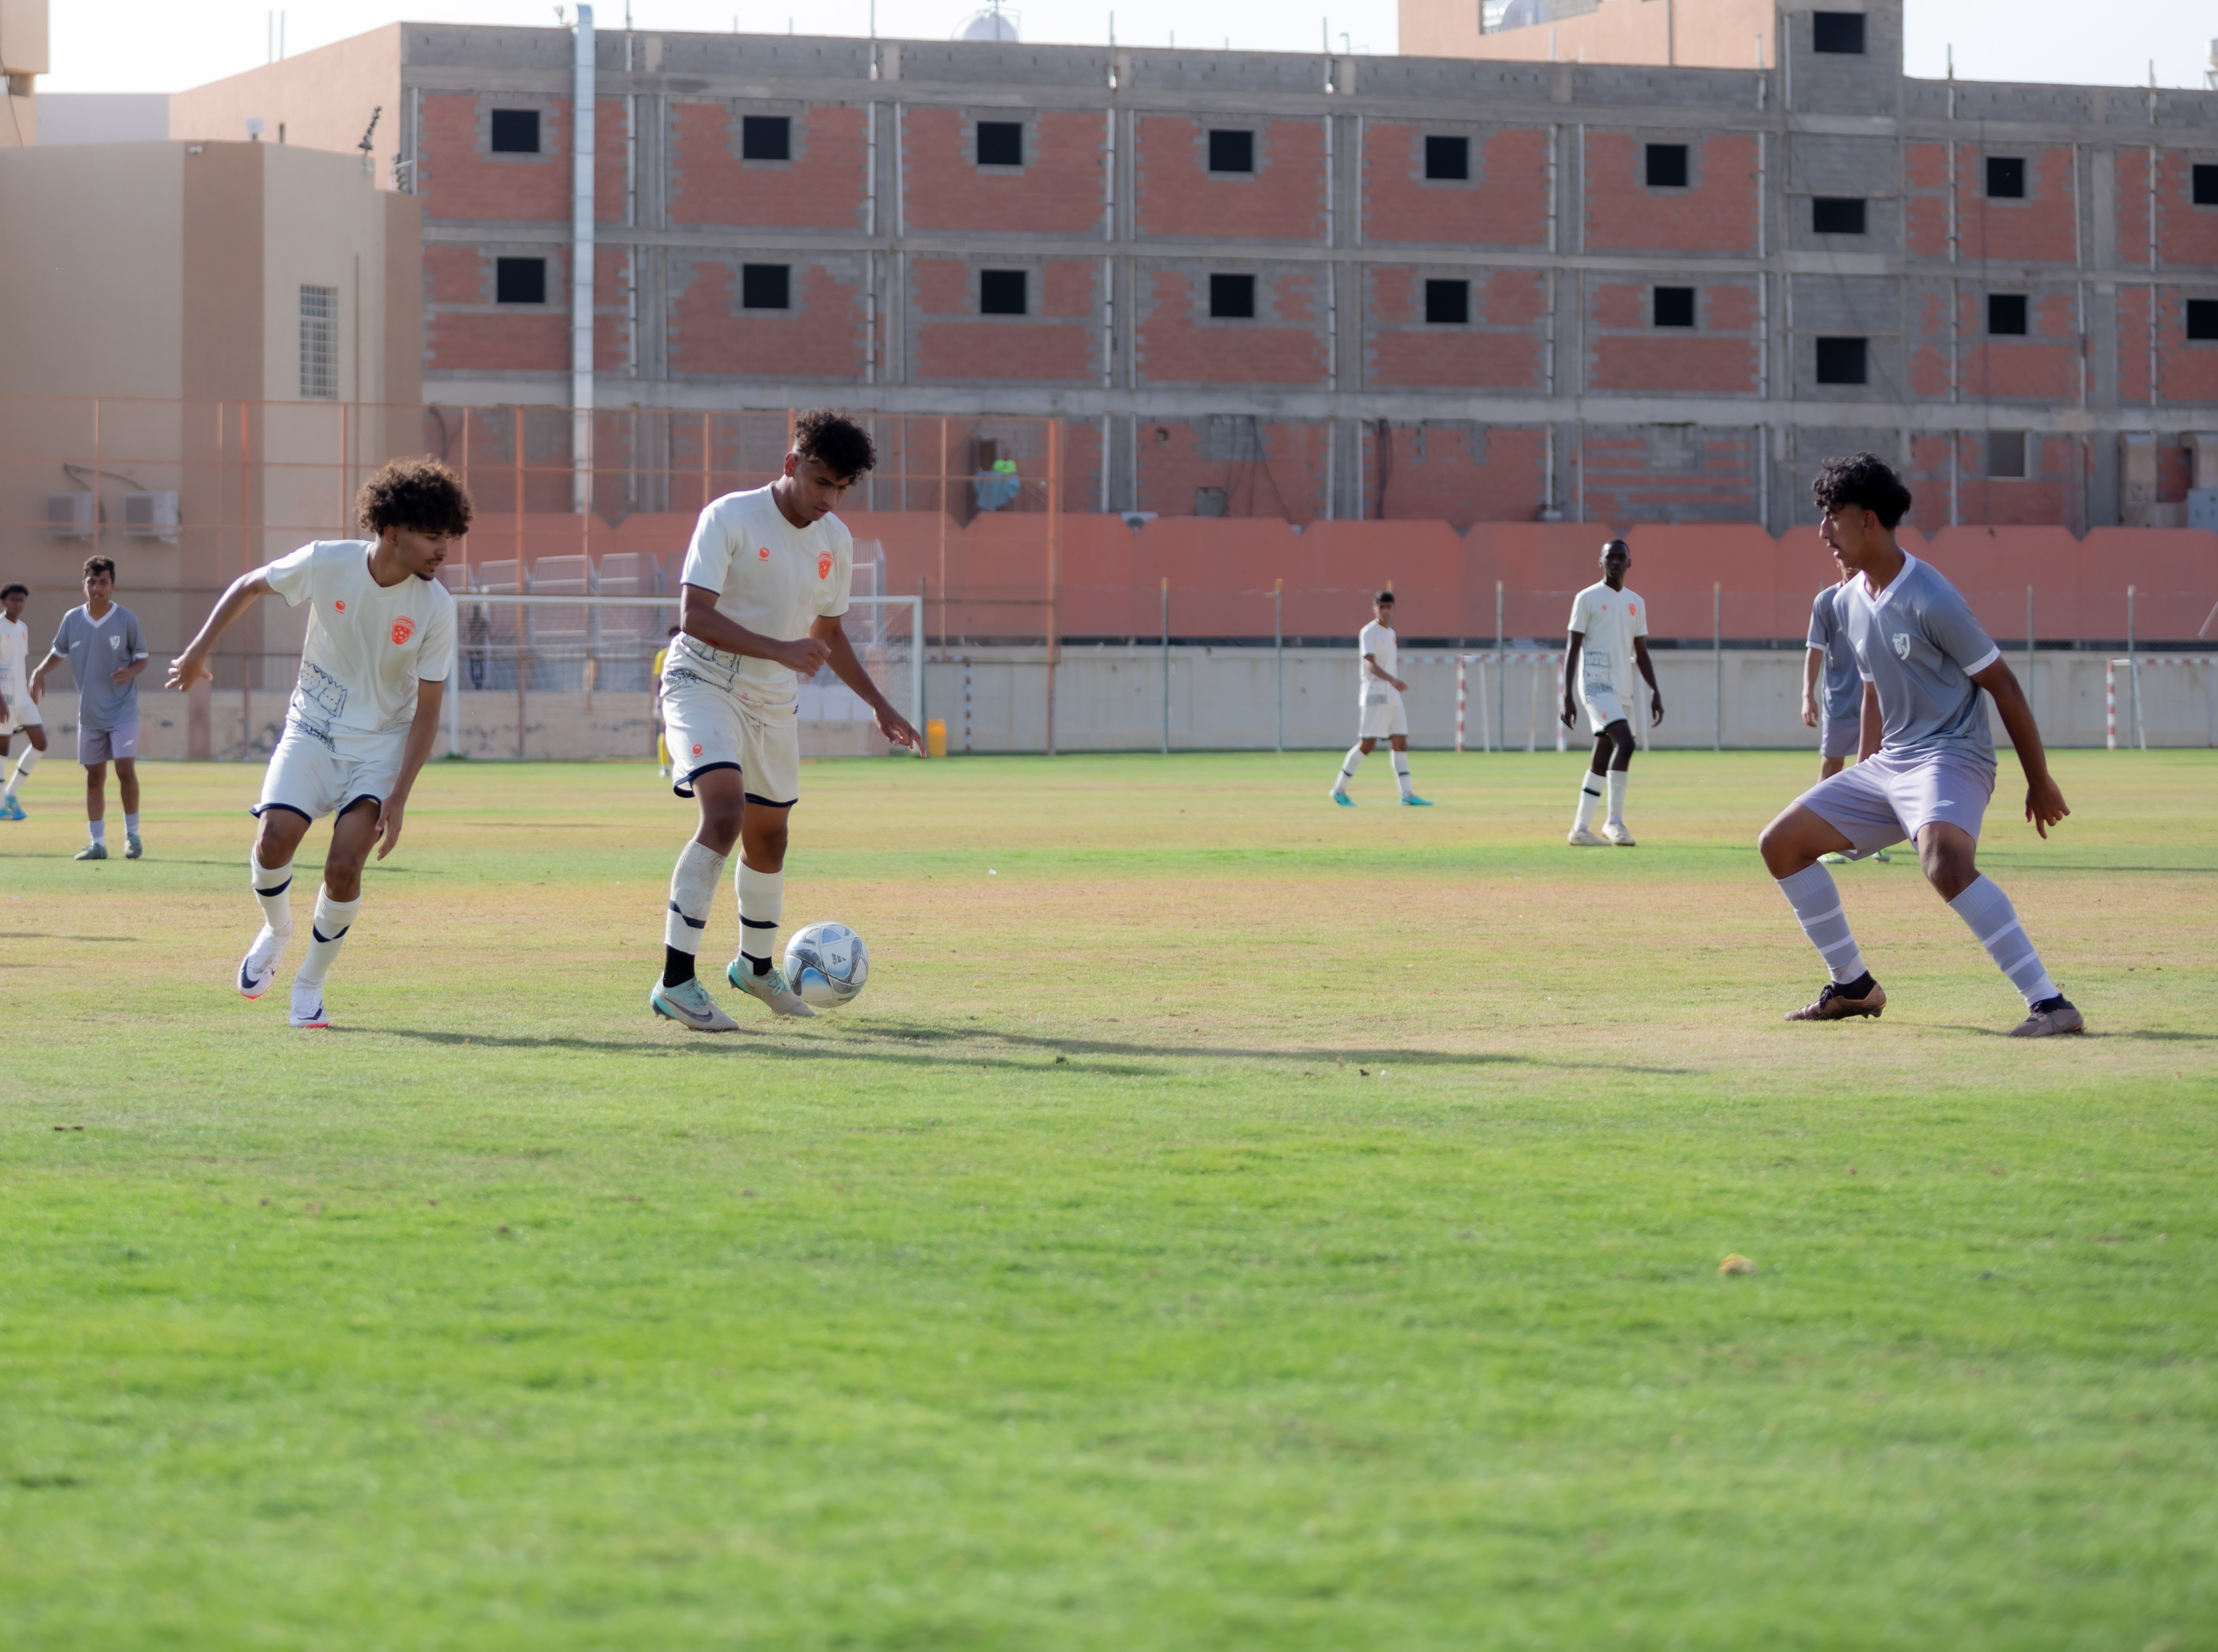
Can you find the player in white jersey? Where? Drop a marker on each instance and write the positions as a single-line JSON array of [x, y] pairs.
[[374, 672], [1379, 709], [764, 588], [1607, 640], [19, 713], [1927, 763]]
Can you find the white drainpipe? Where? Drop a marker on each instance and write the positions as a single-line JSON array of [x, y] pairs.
[[581, 265]]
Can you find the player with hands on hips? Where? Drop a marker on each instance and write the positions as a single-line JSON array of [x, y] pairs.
[[1608, 639]]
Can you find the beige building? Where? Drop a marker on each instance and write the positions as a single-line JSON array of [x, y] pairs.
[[22, 60], [1676, 34], [198, 345]]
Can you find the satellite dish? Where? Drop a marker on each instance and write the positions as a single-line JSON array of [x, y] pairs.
[[991, 24]]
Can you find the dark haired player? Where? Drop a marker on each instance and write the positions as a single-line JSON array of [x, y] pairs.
[[106, 652], [1608, 638], [380, 649], [19, 713], [1927, 763], [1379, 712], [764, 584]]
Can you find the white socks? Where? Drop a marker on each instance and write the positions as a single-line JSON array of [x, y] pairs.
[[99, 830], [325, 933], [24, 764], [1401, 772], [1617, 778], [692, 891], [131, 824], [1589, 795], [1986, 911], [1817, 903], [762, 898], [272, 886], [1348, 765]]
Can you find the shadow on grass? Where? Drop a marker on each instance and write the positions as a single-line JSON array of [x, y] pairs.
[[102, 940]]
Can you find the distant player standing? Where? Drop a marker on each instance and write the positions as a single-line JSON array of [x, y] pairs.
[[364, 714], [106, 652], [764, 586], [1379, 712], [1608, 638], [19, 713], [1928, 763]]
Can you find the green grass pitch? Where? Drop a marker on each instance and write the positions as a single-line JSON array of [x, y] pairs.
[[1226, 1221]]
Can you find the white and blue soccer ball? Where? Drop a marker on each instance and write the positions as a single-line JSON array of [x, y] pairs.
[[827, 964]]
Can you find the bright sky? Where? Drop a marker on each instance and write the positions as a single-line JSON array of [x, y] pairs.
[[159, 46]]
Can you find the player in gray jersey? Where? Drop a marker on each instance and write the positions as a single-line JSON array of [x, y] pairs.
[[1927, 763], [105, 651]]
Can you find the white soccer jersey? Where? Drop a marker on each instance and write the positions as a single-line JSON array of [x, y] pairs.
[[15, 659], [768, 575], [1378, 641], [1609, 621], [368, 645]]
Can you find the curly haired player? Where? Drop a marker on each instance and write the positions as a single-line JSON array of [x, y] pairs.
[[375, 667], [1927, 765], [764, 585]]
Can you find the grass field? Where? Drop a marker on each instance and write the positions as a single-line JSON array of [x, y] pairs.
[[1226, 1221]]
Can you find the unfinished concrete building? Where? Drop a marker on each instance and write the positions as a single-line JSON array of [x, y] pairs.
[[1467, 288]]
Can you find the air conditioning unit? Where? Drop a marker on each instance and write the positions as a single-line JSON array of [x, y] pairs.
[[71, 514], [150, 516]]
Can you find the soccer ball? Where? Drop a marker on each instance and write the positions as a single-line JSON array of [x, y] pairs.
[[827, 964]]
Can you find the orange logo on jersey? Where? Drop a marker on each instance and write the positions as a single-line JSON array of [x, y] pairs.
[[402, 630], [696, 751], [1633, 608], [340, 606], [762, 555], [823, 565]]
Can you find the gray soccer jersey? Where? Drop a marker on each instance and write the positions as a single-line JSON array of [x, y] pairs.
[[97, 650], [1918, 643], [1842, 701]]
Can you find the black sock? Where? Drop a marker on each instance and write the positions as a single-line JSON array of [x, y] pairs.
[[677, 966], [761, 966], [2048, 1004], [1860, 987]]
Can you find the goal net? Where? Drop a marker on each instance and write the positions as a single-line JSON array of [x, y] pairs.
[[2160, 700]]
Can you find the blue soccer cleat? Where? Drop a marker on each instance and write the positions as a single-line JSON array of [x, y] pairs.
[[1414, 801], [1343, 799]]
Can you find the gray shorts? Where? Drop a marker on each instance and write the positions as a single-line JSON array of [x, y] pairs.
[[1884, 799], [1837, 736], [101, 744]]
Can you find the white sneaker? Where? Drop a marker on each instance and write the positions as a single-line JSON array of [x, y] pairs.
[[689, 1005], [1580, 838], [259, 966], [1615, 832], [309, 1005], [771, 988]]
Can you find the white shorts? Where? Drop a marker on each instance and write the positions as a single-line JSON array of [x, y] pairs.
[[1838, 737], [314, 772], [1603, 707], [22, 714], [1884, 798], [712, 720], [1382, 716]]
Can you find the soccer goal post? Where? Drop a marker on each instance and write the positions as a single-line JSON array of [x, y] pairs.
[[514, 647], [2171, 693]]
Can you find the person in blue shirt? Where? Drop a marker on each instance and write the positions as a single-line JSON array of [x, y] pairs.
[[1926, 763]]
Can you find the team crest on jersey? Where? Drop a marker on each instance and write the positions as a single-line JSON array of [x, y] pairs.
[[340, 605], [403, 629], [762, 555], [1902, 644], [823, 565]]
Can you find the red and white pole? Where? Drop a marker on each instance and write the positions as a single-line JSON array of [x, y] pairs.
[[1460, 696], [2110, 698]]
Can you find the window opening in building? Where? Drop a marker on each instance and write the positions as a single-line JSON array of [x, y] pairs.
[[1838, 31], [1675, 307], [1448, 159], [765, 287], [515, 131], [1843, 361], [1667, 166], [2202, 319], [1001, 143], [2206, 186], [1231, 151], [1232, 298], [2006, 315], [2005, 177], [765, 137], [519, 281], [1001, 292], [319, 359], [1447, 303], [2006, 454], [1837, 215]]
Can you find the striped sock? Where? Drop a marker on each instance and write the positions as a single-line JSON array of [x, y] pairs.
[[762, 898], [1348, 765], [1987, 912], [1589, 795], [24, 764], [1401, 773], [326, 931], [272, 885], [692, 891], [1817, 903]]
